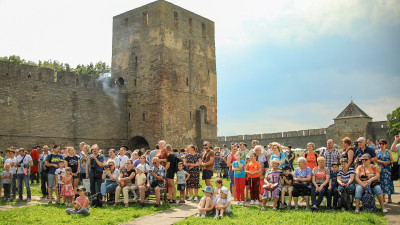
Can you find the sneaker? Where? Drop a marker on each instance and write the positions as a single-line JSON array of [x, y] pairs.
[[28, 200], [198, 215], [216, 216], [314, 207], [357, 211], [282, 206], [190, 198], [308, 208], [203, 216], [18, 200], [237, 202], [242, 203], [384, 210], [262, 209], [195, 199], [289, 206], [273, 209], [343, 209], [257, 202], [296, 207], [221, 215], [252, 202]]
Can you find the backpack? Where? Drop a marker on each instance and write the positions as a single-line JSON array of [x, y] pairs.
[[316, 157], [95, 200], [368, 200]]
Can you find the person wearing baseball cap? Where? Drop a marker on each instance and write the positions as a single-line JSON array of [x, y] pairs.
[[207, 203], [81, 204], [362, 149]]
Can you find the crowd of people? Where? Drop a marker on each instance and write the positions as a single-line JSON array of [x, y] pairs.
[[266, 172]]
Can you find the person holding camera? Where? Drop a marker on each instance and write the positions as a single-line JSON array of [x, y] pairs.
[[111, 174], [95, 167], [125, 182], [43, 171], [24, 162], [155, 181]]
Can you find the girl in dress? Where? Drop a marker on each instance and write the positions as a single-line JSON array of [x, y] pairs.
[[68, 190]]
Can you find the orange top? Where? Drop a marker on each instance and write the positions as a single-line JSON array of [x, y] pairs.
[[253, 167], [311, 159], [371, 172]]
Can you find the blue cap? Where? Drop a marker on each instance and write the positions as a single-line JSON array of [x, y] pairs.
[[208, 189]]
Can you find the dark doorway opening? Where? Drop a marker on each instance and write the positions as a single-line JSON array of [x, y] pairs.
[[138, 143], [120, 81]]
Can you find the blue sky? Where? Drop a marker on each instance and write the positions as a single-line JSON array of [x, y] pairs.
[[281, 65]]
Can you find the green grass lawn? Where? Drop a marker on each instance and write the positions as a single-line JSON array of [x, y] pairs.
[[51, 214], [253, 215]]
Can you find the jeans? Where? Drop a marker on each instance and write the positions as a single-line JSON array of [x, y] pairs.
[[231, 176], [14, 185], [321, 194], [44, 183], [23, 178], [350, 189], [291, 165], [360, 190], [81, 177], [83, 211], [108, 187], [333, 192], [94, 183]]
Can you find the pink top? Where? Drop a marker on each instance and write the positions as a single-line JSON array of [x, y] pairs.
[[233, 160], [82, 200]]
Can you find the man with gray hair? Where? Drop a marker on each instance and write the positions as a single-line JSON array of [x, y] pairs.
[[363, 148]]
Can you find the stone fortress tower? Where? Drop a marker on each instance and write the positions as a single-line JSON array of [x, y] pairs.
[[164, 58]]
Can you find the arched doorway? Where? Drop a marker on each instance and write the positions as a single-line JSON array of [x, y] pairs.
[[138, 143], [120, 81]]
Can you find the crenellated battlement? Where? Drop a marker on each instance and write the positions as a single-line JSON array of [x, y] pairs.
[[14, 72], [288, 134]]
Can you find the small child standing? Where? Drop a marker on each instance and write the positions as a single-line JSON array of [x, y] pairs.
[[223, 204], [68, 190], [287, 182], [333, 188], [60, 174], [218, 186], [207, 203], [140, 180], [81, 204], [182, 177], [261, 186], [6, 177]]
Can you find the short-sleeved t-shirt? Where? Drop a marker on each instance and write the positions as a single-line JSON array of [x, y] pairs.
[[282, 156], [302, 174], [122, 160], [53, 159], [171, 158], [241, 173], [60, 173], [12, 160], [73, 163], [181, 176], [360, 152], [346, 176], [253, 167], [289, 178], [6, 180], [320, 176], [137, 162], [139, 179], [96, 166], [371, 172], [206, 159], [311, 159], [25, 160], [222, 202]]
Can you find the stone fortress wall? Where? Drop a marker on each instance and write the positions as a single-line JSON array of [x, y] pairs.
[[39, 106]]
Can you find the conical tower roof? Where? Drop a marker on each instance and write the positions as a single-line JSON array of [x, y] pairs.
[[352, 110]]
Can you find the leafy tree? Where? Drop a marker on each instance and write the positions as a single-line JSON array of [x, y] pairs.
[[394, 122]]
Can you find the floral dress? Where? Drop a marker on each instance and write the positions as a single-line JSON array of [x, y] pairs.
[[67, 189], [193, 181], [386, 174], [272, 177]]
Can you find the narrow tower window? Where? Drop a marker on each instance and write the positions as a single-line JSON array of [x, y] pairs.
[[190, 25], [203, 30], [176, 19], [144, 116], [145, 19]]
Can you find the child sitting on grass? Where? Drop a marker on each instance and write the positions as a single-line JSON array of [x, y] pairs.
[[287, 182], [182, 177], [207, 203], [60, 173], [81, 204], [223, 204]]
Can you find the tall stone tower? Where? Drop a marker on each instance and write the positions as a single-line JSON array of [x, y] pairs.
[[351, 122], [164, 57]]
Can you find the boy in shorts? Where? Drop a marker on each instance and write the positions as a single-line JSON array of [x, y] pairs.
[[207, 203], [287, 182], [182, 177]]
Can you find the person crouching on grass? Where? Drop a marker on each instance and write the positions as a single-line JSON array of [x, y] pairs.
[[223, 204], [207, 203], [182, 177], [81, 204]]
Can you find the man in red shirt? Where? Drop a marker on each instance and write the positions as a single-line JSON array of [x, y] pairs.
[[35, 168]]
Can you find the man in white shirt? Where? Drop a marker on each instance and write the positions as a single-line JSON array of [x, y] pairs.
[[24, 163], [13, 161]]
